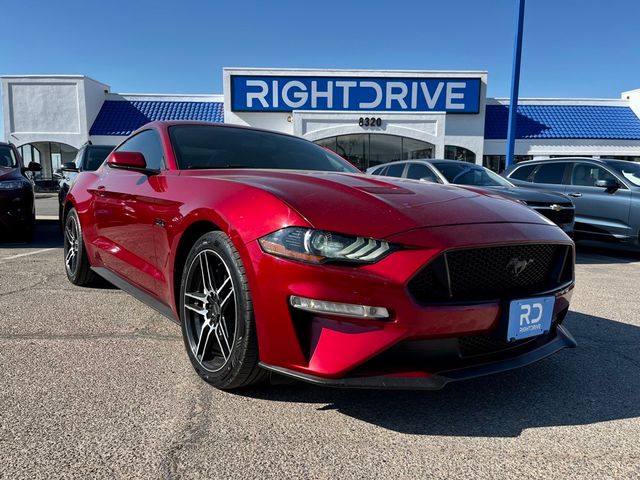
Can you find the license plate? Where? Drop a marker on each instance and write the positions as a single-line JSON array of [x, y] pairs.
[[530, 317]]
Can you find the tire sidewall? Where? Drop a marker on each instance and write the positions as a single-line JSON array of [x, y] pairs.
[[221, 244]]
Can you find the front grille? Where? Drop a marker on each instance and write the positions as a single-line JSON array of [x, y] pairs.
[[491, 273], [562, 217]]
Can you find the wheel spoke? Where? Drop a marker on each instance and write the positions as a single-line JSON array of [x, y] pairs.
[[70, 236], [223, 323], [70, 255], [202, 346], [206, 274], [226, 299], [223, 341], [224, 284], [200, 311], [201, 297]]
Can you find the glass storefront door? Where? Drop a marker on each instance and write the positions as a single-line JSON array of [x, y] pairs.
[[366, 150]]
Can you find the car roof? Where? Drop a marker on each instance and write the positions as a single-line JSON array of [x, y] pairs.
[[560, 159], [430, 161], [165, 124]]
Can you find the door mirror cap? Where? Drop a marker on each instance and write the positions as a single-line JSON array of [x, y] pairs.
[[608, 184], [69, 167], [127, 160], [34, 167]]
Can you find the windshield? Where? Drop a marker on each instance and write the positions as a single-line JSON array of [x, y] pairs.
[[7, 157], [204, 146], [95, 157], [629, 170], [471, 174]]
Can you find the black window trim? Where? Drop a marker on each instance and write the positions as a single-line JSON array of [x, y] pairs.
[[163, 160]]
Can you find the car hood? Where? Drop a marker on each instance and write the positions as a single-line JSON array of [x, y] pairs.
[[370, 206], [530, 195]]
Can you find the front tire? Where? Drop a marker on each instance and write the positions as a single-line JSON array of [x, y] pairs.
[[76, 263], [216, 313]]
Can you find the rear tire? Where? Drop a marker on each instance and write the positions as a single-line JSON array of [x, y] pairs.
[[76, 263], [216, 312]]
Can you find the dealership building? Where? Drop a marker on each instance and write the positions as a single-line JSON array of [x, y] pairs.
[[367, 116]]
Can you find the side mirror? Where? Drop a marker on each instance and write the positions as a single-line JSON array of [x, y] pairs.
[[69, 167], [426, 179], [608, 184], [129, 161], [34, 167]]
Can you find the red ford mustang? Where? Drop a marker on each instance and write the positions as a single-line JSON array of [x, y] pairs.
[[275, 255]]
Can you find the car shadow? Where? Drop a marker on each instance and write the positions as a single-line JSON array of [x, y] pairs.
[[596, 382], [591, 254], [46, 235]]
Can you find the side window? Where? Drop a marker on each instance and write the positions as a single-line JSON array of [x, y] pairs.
[[78, 158], [395, 170], [380, 171], [523, 172], [148, 143], [586, 175], [550, 173], [418, 170]]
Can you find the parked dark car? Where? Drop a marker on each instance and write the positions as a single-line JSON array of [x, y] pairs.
[[605, 192], [556, 207], [88, 159], [17, 205]]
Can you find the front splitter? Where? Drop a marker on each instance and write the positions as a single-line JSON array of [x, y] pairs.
[[436, 381]]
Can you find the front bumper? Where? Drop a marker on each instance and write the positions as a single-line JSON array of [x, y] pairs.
[[360, 352], [422, 380]]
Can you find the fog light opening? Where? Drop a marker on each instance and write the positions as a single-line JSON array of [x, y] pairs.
[[335, 308]]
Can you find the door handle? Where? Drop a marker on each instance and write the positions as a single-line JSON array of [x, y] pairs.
[[575, 194]]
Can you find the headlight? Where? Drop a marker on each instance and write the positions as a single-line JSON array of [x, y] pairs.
[[318, 246], [13, 184]]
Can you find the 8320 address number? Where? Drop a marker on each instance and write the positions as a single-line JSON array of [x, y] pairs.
[[370, 122]]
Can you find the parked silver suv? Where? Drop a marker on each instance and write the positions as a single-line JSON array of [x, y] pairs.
[[605, 192]]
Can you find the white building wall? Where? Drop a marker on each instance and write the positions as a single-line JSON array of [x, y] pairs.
[[58, 108], [95, 95], [633, 99], [107, 139]]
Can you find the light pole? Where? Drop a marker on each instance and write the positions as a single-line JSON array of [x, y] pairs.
[[515, 85]]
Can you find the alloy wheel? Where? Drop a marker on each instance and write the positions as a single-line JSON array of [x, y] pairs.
[[210, 310], [71, 244]]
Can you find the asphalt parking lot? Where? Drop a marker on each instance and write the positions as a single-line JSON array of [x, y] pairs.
[[94, 384]]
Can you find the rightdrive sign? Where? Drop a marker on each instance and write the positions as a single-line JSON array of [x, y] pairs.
[[287, 93]]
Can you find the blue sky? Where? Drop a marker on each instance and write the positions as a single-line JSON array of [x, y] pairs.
[[572, 48]]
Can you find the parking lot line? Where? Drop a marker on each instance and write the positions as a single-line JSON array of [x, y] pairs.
[[27, 254]]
